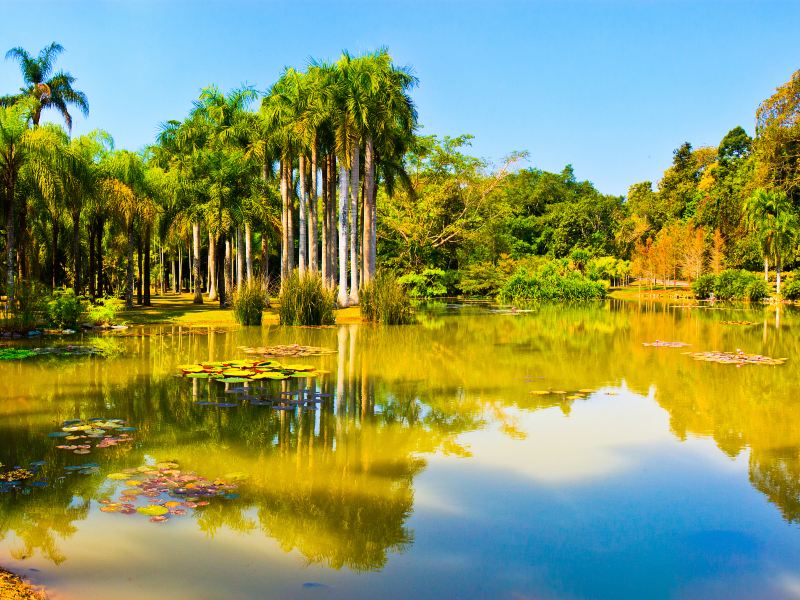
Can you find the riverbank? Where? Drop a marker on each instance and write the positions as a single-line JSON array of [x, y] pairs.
[[179, 309], [12, 587]]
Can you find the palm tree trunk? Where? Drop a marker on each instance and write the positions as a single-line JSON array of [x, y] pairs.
[[354, 189], [303, 223], [198, 290], [369, 212], [10, 242], [174, 275], [90, 232], [313, 219], [76, 251], [147, 264], [778, 277], [180, 268], [54, 258], [220, 275], [284, 223], [129, 272], [248, 251], [264, 262], [326, 223], [212, 266], [333, 242], [228, 267], [139, 277], [290, 216], [766, 269], [99, 240], [343, 221], [239, 257]]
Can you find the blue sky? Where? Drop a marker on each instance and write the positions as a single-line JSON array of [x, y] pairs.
[[610, 87]]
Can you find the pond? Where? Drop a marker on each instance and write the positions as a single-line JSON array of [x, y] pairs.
[[477, 454]]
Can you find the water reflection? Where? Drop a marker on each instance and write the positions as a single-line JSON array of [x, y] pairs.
[[336, 485]]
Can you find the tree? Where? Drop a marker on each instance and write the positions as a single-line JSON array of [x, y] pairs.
[[46, 89], [770, 215]]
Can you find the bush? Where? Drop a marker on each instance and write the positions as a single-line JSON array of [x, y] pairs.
[[385, 301], [704, 286], [64, 309], [104, 311], [791, 290], [29, 306], [740, 285], [304, 300], [548, 283], [249, 301], [430, 283]]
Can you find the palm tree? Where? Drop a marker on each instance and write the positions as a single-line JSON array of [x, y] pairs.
[[48, 90], [771, 216]]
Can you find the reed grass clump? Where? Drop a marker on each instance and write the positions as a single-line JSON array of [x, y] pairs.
[[304, 300], [385, 301], [249, 302]]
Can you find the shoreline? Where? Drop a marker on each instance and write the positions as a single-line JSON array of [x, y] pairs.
[[13, 587]]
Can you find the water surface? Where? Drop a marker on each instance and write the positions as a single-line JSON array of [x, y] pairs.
[[433, 471]]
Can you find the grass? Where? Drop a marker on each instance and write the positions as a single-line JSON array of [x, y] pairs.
[[178, 308]]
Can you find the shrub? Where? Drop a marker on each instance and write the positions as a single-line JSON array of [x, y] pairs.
[[704, 286], [29, 306], [104, 311], [304, 300], [430, 283], [64, 309], [733, 284], [791, 290], [385, 301], [548, 283], [249, 301]]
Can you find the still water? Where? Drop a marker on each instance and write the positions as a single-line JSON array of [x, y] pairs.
[[432, 471]]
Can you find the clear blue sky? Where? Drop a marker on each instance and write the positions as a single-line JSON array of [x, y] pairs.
[[610, 87]]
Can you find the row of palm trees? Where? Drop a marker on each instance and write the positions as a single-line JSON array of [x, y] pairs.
[[303, 168]]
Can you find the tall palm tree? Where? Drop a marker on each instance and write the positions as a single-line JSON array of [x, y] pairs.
[[771, 216], [47, 89]]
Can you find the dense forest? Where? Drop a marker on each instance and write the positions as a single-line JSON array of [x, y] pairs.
[[326, 173]]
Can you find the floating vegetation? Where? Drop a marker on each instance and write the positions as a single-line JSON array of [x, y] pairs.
[[293, 350], [744, 323], [92, 434], [738, 358], [22, 479], [241, 371], [15, 353], [163, 492], [662, 344], [103, 349], [582, 393]]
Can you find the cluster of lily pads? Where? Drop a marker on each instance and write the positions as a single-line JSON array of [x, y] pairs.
[[85, 435], [738, 358], [662, 344], [240, 371], [71, 350], [162, 491], [291, 350], [21, 478]]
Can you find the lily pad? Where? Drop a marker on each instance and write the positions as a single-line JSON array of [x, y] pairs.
[[154, 510]]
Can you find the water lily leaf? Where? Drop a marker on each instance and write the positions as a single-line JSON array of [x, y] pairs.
[[117, 476], [126, 429], [299, 374], [299, 367], [233, 379], [203, 375], [236, 372], [58, 434], [190, 368], [154, 510]]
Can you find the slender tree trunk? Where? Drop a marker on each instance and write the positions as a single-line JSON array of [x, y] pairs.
[[302, 221], [248, 251], [129, 272], [290, 217], [343, 222], [369, 212], [354, 189], [239, 257], [326, 232], [139, 271], [174, 275], [212, 267], [264, 262], [198, 290], [101, 225], [91, 233], [313, 218], [54, 258], [778, 277], [220, 276], [147, 264], [766, 269], [333, 242], [180, 268], [228, 267], [284, 223], [76, 251], [10, 241]]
